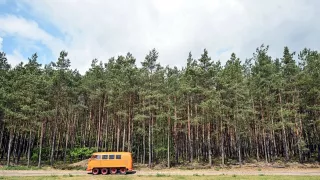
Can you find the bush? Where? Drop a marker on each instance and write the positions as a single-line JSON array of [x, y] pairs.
[[45, 154], [81, 152]]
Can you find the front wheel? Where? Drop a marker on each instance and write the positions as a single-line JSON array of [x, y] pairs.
[[95, 171]]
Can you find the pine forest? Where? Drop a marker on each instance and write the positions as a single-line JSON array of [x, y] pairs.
[[262, 108]]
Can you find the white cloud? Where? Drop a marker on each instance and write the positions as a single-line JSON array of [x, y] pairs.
[[28, 30], [102, 28], [15, 58]]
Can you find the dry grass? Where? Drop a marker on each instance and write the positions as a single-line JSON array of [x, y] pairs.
[[164, 177], [80, 163]]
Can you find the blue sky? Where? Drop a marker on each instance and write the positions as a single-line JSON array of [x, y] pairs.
[[12, 43], [106, 28]]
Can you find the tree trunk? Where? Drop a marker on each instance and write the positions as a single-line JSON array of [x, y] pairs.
[[239, 147], [40, 145], [99, 127], [297, 126], [66, 145], [14, 145], [209, 145], [263, 132], [197, 134], [318, 152], [102, 123], [189, 135], [123, 138], [29, 148], [2, 151], [175, 130], [152, 139], [19, 148], [106, 130], [118, 134], [144, 142], [301, 132], [9, 147], [169, 131], [222, 142], [52, 146], [285, 146], [149, 140], [129, 125]]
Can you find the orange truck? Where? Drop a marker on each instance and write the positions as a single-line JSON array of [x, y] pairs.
[[110, 163]]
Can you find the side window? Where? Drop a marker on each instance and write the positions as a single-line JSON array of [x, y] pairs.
[[111, 156], [118, 156], [98, 157], [104, 156]]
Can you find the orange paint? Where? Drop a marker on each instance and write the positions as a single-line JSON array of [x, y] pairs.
[[110, 162]]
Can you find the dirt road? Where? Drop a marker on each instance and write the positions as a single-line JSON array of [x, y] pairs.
[[242, 171]]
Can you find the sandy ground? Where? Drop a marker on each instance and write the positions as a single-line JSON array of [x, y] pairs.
[[239, 171]]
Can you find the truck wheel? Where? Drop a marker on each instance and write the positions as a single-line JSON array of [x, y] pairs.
[[104, 171], [95, 171], [113, 170], [123, 171]]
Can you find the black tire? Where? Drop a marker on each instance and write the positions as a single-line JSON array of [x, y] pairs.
[[104, 171], [95, 171], [123, 171]]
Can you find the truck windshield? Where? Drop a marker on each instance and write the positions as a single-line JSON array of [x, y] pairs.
[[96, 157]]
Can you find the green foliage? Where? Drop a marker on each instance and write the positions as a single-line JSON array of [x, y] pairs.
[[81, 152], [260, 108], [45, 153]]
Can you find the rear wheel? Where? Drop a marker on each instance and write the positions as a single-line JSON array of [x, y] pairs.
[[113, 171], [95, 171], [104, 171], [123, 171]]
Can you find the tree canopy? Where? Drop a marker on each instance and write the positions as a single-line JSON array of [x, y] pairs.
[[263, 108]]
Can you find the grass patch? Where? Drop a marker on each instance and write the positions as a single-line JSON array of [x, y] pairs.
[[67, 167], [69, 175], [19, 168], [161, 177], [172, 177]]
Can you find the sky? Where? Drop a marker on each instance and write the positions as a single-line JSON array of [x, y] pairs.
[[103, 29]]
